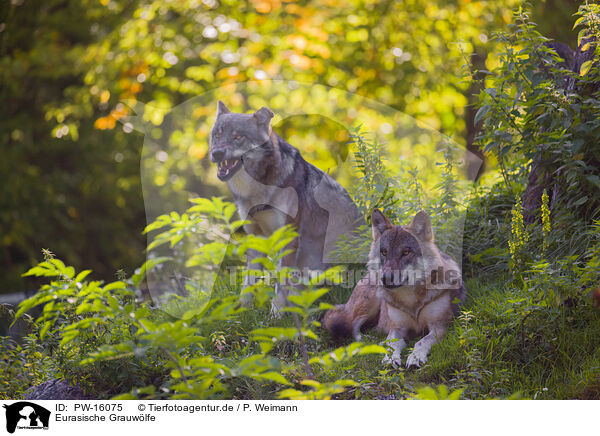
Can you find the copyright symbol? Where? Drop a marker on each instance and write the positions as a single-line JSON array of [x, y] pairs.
[[141, 407]]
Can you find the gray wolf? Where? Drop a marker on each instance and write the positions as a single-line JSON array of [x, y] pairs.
[[417, 289], [272, 186], [360, 311]]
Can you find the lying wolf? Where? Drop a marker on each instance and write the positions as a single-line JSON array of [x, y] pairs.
[[272, 185], [360, 311], [412, 288]]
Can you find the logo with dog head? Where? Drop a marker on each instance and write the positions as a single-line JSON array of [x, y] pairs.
[[26, 415]]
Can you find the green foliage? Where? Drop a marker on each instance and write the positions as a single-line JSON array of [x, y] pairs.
[[546, 226], [535, 109], [376, 187], [400, 194], [448, 202], [500, 344], [101, 337], [70, 169], [21, 365], [510, 339], [536, 337], [487, 230], [442, 393], [64, 183], [538, 334], [519, 239], [77, 318]]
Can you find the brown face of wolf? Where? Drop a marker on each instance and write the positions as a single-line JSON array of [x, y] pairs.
[[400, 252], [233, 136]]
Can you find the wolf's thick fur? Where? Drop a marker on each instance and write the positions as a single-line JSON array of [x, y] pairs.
[[361, 310], [417, 287], [272, 185]]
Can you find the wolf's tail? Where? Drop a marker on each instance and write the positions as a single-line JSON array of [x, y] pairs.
[[337, 322]]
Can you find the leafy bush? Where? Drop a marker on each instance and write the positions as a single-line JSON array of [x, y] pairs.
[[535, 110], [527, 328], [21, 365], [400, 195], [109, 343], [196, 340]]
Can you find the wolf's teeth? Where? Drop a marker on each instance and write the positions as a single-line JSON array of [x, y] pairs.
[[226, 165]]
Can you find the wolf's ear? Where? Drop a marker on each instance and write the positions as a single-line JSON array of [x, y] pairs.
[[421, 225], [222, 109], [379, 222], [263, 115]]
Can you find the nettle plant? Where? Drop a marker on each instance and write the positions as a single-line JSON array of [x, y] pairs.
[[375, 187], [536, 110], [109, 342], [400, 194], [21, 364]]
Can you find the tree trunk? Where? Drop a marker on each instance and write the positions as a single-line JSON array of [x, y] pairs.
[[476, 160]]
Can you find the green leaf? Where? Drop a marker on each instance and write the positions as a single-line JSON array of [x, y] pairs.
[[585, 68], [274, 333], [82, 275], [69, 272], [115, 285], [44, 269], [307, 298], [44, 330], [481, 112], [372, 349], [578, 21], [594, 179], [69, 336], [113, 303], [274, 376], [147, 266]]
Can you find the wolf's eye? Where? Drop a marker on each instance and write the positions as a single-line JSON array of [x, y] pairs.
[[237, 137], [406, 252], [383, 252]]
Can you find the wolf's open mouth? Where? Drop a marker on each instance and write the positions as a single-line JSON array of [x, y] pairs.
[[227, 168]]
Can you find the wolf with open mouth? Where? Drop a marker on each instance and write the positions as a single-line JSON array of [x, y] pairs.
[[272, 186]]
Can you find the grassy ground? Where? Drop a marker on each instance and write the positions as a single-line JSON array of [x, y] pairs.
[[497, 348], [509, 341], [533, 334]]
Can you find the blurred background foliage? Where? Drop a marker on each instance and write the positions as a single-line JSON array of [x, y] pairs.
[[70, 175]]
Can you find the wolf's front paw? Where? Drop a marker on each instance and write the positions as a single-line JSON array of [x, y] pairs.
[[395, 361], [416, 359]]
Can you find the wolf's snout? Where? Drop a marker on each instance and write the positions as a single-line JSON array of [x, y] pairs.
[[390, 279], [217, 155]]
